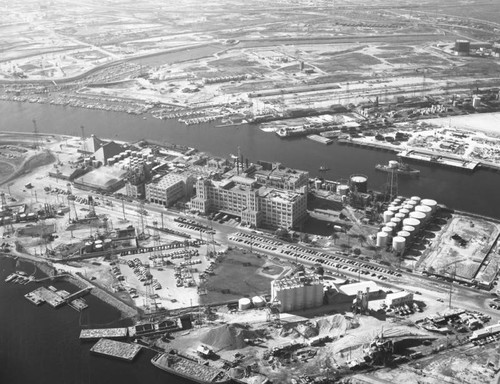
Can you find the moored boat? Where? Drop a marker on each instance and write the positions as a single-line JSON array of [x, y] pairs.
[[189, 368], [398, 167]]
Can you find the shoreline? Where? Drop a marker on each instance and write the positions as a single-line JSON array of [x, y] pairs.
[[48, 268]]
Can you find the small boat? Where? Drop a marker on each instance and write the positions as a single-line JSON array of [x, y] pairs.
[[323, 168], [398, 167], [11, 277]]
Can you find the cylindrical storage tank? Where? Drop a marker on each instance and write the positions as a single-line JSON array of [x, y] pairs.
[[404, 234], [400, 215], [420, 216], [462, 47], [430, 203], [393, 164], [387, 230], [396, 201], [416, 198], [88, 247], [317, 184], [107, 243], [412, 203], [409, 207], [359, 183], [342, 189], [31, 216], [393, 209], [388, 215], [398, 243], [300, 295], [22, 217], [392, 225], [98, 247], [258, 301], [309, 296], [382, 239], [408, 228], [244, 303], [425, 209], [397, 221], [98, 242], [412, 222], [404, 211]]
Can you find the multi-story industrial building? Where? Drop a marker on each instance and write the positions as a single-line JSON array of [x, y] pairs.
[[169, 189], [256, 204]]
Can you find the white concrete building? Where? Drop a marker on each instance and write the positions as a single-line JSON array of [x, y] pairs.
[[169, 189]]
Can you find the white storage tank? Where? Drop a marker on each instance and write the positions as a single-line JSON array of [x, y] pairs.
[[258, 301], [409, 207], [412, 222], [387, 230], [412, 203], [430, 203], [388, 215], [382, 239], [397, 221], [425, 209], [404, 234], [408, 228], [244, 303], [393, 209], [418, 215], [415, 198], [342, 189], [404, 211], [398, 243], [359, 183], [400, 216], [98, 247], [396, 201]]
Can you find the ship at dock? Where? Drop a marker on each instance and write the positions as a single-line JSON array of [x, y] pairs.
[[399, 168], [189, 368]]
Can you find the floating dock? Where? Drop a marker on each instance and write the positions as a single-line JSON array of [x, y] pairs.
[[118, 349], [78, 304], [98, 333], [320, 139], [42, 295]]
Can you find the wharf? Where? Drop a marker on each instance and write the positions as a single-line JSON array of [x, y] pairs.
[[42, 295], [118, 349], [441, 159], [98, 333], [320, 139]]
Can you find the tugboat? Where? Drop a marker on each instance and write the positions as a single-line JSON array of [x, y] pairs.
[[398, 167]]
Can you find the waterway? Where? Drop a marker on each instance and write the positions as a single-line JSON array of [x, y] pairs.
[[475, 192], [41, 344]]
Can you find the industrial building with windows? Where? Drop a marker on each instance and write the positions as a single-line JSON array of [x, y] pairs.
[[256, 205], [169, 189]]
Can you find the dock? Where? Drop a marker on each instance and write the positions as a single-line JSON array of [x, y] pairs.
[[320, 139], [441, 159], [98, 333], [78, 304], [117, 349], [42, 295]]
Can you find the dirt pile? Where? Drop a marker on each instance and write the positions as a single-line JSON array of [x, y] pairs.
[[333, 326], [229, 337]]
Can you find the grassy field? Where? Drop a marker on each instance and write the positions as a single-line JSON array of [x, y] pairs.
[[238, 276]]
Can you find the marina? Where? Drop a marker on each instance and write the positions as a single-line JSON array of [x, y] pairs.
[[98, 333], [116, 349]]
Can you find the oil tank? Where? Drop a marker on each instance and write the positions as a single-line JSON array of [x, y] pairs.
[[404, 211], [317, 184], [318, 295], [387, 230], [88, 247], [388, 215], [412, 223], [359, 183], [299, 297], [342, 189], [425, 209], [393, 209], [382, 239], [392, 225], [396, 201], [98, 247], [398, 243], [107, 243], [400, 215], [415, 198], [397, 221], [412, 203], [244, 303], [404, 234], [258, 301], [409, 229], [430, 203], [418, 215]]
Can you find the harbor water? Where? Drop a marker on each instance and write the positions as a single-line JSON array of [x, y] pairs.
[[41, 344], [458, 189]]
